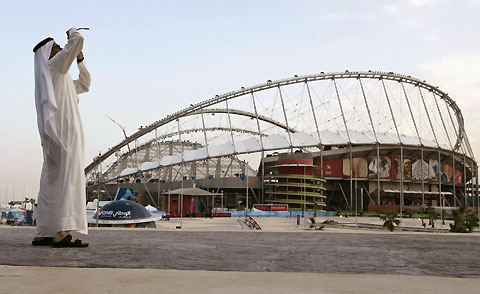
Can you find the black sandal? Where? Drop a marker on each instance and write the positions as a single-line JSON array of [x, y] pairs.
[[46, 241], [67, 242]]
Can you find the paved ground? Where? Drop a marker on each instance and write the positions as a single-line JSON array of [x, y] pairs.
[[283, 224], [217, 256], [418, 254], [87, 280]]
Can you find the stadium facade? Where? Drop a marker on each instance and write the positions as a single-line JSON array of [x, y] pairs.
[[350, 140]]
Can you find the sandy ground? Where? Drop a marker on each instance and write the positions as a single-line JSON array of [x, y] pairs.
[[283, 224]]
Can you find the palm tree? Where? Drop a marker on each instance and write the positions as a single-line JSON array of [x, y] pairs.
[[444, 212], [471, 221], [458, 225], [432, 215], [390, 219], [27, 200], [313, 224], [464, 220], [32, 202], [422, 212]]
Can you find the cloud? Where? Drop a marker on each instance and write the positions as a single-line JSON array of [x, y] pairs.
[[425, 19], [404, 6], [459, 76], [390, 9], [419, 3], [337, 16]]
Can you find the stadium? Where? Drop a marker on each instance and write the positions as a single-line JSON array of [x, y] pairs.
[[364, 141]]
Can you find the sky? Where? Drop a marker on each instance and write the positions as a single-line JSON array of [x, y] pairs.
[[149, 59]]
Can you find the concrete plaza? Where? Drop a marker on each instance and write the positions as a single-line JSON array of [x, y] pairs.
[[216, 255]]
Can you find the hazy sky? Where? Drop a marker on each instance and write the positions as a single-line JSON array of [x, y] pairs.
[[151, 58]]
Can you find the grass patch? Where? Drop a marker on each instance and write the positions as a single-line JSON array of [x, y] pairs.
[[371, 213], [309, 209], [298, 176], [298, 184], [298, 193]]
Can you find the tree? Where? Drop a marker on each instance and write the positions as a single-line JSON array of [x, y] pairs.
[[464, 220], [313, 224], [422, 213], [27, 200], [32, 202], [471, 221], [444, 212], [390, 220], [432, 216]]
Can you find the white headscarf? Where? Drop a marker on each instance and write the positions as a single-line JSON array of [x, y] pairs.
[[45, 96]]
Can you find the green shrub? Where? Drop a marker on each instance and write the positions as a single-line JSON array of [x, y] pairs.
[[464, 220], [390, 220]]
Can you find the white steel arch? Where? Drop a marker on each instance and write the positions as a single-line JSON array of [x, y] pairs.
[[326, 109]]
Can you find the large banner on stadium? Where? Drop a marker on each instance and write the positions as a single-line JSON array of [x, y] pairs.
[[331, 168], [407, 167], [449, 175], [458, 177], [380, 166], [389, 168], [431, 169], [359, 167]]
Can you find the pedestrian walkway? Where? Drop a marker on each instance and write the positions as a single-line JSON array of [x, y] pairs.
[[48, 280]]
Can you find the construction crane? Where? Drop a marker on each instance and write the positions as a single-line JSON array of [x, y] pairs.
[[123, 130]]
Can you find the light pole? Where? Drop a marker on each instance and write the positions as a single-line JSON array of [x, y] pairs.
[[98, 204], [304, 200], [181, 201], [246, 175]]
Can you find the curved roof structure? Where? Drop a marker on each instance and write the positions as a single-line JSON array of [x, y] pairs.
[[311, 111]]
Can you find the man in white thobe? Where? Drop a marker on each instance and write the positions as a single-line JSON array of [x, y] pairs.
[[61, 199]]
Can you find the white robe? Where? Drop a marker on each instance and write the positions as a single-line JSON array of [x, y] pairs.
[[62, 199]]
